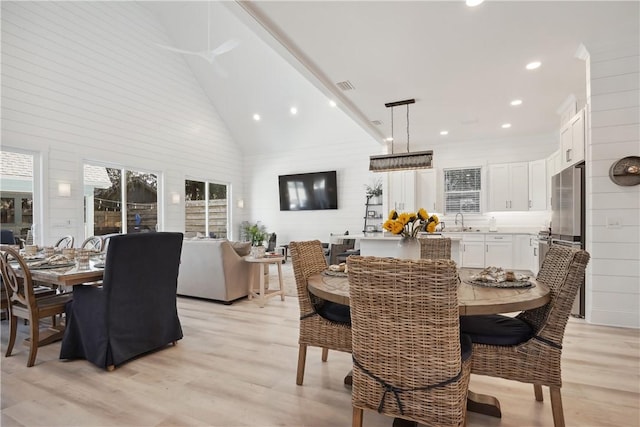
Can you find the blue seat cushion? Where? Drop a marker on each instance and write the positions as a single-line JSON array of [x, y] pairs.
[[466, 346], [495, 329], [335, 312]]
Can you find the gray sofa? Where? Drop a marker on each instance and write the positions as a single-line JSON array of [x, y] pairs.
[[213, 269]]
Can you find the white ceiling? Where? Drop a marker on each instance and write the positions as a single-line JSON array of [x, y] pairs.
[[462, 65]]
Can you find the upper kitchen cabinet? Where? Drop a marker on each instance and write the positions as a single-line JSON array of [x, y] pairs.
[[509, 187], [538, 185], [572, 141], [402, 190], [426, 190]]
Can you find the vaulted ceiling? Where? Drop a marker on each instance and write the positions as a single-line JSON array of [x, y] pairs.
[[462, 65]]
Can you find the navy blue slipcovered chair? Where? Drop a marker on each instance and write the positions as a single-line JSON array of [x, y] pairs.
[[134, 311], [7, 237]]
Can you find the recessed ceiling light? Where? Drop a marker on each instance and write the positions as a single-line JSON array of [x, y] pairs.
[[294, 110], [533, 65], [506, 126], [473, 3], [332, 103], [389, 139], [256, 117], [444, 132], [516, 102]]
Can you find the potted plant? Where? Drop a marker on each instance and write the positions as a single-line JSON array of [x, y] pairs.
[[374, 191], [257, 233]]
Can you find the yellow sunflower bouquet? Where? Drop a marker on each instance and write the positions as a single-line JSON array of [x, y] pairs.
[[409, 224]]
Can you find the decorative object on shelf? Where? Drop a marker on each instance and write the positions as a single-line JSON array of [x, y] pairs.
[[626, 171], [400, 161], [374, 191]]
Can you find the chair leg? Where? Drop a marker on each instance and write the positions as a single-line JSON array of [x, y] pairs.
[[357, 417], [13, 329], [325, 354], [34, 326], [110, 368], [556, 407], [302, 358], [537, 390]]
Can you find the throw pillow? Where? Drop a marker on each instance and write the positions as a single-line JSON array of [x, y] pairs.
[[241, 248]]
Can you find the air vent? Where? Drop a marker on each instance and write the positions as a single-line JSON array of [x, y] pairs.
[[345, 85], [376, 122]]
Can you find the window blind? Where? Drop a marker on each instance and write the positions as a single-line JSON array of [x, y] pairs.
[[462, 189]]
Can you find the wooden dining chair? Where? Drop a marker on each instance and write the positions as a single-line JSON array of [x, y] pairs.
[[435, 248], [409, 360], [65, 242], [93, 243], [528, 348], [22, 302], [322, 323]]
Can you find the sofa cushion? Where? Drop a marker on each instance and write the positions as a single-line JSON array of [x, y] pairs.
[[241, 248]]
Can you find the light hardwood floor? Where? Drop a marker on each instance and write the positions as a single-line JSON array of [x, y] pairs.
[[236, 366]]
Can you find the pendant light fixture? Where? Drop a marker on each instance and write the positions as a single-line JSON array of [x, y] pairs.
[[400, 161]]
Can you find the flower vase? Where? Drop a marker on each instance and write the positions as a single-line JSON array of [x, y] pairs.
[[257, 251], [409, 248]]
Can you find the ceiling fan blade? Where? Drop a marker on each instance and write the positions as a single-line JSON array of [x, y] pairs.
[[173, 49], [225, 47]]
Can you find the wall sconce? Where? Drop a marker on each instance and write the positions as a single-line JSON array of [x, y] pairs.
[[240, 203], [175, 198], [64, 189]]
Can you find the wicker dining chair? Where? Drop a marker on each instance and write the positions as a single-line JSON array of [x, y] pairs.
[[93, 243], [315, 329], [536, 358], [23, 301], [435, 248], [64, 242], [408, 357]]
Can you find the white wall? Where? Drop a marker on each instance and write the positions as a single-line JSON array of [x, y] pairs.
[[613, 276], [351, 159], [82, 81]]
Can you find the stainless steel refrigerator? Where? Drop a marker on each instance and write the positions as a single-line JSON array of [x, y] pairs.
[[568, 217]]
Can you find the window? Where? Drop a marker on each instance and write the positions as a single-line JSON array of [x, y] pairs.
[[462, 188], [17, 188], [108, 207], [206, 209]]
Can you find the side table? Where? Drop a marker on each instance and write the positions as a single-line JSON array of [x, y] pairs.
[[261, 293]]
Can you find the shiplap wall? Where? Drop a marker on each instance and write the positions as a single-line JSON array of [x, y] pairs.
[[83, 81], [351, 160], [613, 277]]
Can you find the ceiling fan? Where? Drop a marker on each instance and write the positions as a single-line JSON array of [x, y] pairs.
[[208, 55]]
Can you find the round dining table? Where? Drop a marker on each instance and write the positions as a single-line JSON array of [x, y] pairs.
[[473, 299]]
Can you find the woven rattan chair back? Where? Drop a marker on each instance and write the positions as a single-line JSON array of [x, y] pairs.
[[435, 248], [25, 303], [308, 259], [93, 243], [64, 242], [563, 270], [538, 360], [406, 340]]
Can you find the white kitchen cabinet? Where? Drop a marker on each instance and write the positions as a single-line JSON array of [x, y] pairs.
[[402, 191], [553, 167], [498, 251], [509, 187], [538, 185], [572, 141], [473, 250], [522, 252], [426, 190]]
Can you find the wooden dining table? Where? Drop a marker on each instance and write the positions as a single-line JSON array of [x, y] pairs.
[[472, 300], [67, 276]]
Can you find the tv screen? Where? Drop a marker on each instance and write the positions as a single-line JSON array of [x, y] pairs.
[[308, 191]]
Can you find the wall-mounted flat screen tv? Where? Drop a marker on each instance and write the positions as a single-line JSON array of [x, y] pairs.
[[308, 191]]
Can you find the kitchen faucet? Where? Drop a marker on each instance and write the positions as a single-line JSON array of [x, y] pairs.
[[461, 221]]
